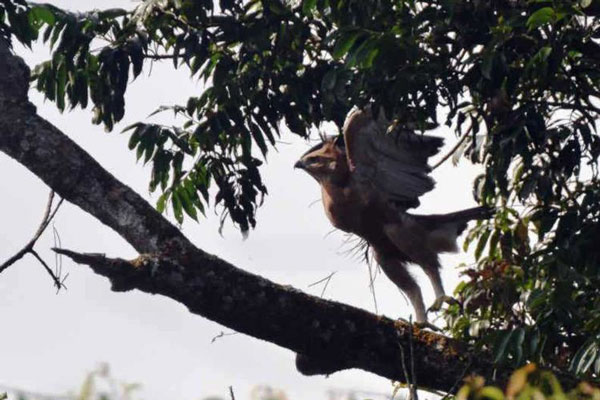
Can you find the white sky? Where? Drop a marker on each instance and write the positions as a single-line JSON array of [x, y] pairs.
[[49, 341]]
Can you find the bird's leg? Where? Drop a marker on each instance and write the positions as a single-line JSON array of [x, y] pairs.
[[437, 304], [433, 272], [427, 325], [397, 272], [413, 292]]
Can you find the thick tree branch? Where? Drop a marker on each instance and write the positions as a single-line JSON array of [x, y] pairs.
[[329, 336]]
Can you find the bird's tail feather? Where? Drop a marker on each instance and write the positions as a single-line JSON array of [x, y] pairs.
[[481, 212], [445, 228]]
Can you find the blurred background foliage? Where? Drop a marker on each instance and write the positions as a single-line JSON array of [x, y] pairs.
[[100, 384], [526, 383], [516, 81]]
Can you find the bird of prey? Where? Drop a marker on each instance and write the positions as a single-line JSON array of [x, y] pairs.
[[369, 177]]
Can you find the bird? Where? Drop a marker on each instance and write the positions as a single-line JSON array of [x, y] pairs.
[[370, 175]]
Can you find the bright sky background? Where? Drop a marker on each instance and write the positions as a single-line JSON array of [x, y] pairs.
[[50, 341]]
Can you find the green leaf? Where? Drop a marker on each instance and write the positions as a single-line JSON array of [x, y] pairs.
[[42, 14], [344, 43], [486, 65], [490, 392], [536, 298], [112, 13], [278, 8], [308, 6], [367, 53], [500, 351], [258, 138], [517, 345], [359, 54], [540, 17], [584, 357], [162, 202], [58, 29], [135, 137], [137, 58], [481, 244], [149, 146], [132, 126], [597, 365], [61, 80], [186, 202], [329, 79], [177, 207]]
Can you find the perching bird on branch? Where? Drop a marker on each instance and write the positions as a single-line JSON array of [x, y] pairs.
[[369, 177]]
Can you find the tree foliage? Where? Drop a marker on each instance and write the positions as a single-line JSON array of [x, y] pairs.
[[517, 80], [526, 383]]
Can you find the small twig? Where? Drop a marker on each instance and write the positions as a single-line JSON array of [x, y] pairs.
[[453, 150], [57, 257], [413, 384], [411, 380], [28, 248], [327, 279], [160, 56], [222, 334], [231, 393], [56, 279], [405, 371]]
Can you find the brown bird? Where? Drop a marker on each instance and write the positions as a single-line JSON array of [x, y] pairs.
[[369, 177]]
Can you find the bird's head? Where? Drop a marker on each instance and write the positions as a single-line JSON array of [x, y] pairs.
[[326, 162]]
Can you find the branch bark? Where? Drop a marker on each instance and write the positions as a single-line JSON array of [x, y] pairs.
[[328, 336]]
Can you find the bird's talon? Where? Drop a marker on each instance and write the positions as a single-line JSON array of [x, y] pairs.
[[439, 302], [421, 325], [427, 325]]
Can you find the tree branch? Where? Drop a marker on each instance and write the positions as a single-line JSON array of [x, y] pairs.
[[453, 150], [56, 279], [28, 248], [330, 336]]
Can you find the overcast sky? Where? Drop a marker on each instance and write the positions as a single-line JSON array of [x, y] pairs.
[[49, 341]]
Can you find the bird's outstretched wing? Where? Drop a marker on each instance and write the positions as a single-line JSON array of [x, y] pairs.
[[393, 163]]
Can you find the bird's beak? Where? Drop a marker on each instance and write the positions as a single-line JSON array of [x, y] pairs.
[[300, 164]]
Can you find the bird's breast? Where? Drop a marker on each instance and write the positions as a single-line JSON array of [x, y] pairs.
[[345, 208]]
